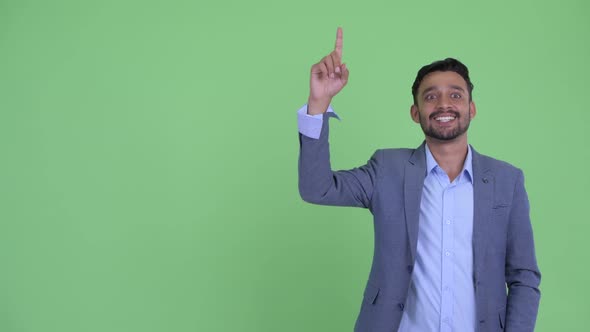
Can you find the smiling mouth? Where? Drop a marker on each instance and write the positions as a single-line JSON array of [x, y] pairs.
[[445, 118]]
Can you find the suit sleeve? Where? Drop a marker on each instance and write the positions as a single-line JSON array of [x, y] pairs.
[[318, 184], [522, 274]]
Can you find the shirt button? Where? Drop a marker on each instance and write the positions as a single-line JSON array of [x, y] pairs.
[[447, 253], [448, 222]]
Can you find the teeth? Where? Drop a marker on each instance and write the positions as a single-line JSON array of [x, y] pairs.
[[445, 118]]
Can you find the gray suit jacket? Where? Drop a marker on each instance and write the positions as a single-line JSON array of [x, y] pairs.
[[505, 276]]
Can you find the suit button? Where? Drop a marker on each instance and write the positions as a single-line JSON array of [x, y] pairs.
[[410, 267], [482, 321], [401, 306]]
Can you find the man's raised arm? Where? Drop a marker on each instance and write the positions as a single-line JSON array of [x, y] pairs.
[[317, 182]]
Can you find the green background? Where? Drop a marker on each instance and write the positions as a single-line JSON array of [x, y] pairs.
[[148, 172]]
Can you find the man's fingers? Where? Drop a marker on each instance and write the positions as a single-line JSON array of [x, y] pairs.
[[336, 60], [319, 68], [329, 64], [338, 48], [345, 73], [324, 69]]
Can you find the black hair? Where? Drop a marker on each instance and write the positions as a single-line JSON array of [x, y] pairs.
[[448, 64]]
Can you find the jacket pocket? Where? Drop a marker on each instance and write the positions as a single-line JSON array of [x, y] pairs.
[[500, 205], [371, 293], [502, 317]]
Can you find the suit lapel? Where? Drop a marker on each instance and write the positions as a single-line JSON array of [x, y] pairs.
[[483, 195], [415, 172]]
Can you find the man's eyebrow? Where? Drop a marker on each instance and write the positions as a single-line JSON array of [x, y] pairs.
[[455, 87], [428, 89]]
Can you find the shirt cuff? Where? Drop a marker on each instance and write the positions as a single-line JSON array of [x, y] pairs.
[[311, 125]]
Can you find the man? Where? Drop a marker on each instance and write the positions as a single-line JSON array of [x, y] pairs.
[[454, 245]]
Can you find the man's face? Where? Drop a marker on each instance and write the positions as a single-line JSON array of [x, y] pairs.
[[442, 108]]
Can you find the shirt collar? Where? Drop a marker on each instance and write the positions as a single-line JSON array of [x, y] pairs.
[[467, 165]]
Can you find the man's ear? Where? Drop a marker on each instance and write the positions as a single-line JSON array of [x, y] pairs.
[[414, 113], [472, 109]]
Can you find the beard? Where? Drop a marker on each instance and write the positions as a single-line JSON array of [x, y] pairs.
[[445, 134]]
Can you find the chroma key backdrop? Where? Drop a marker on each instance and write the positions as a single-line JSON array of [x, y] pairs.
[[148, 171]]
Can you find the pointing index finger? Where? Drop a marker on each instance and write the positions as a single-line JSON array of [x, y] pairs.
[[338, 47]]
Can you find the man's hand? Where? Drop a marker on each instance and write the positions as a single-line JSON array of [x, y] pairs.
[[328, 77]]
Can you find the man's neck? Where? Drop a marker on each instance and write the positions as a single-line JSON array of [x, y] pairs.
[[450, 155]]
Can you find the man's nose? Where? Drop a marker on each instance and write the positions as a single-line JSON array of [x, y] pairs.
[[444, 102]]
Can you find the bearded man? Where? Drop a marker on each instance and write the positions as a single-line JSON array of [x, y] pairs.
[[454, 248]]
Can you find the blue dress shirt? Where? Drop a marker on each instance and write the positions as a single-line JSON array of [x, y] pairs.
[[441, 295]]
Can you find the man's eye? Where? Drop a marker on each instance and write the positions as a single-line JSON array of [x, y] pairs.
[[429, 97], [455, 95]]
